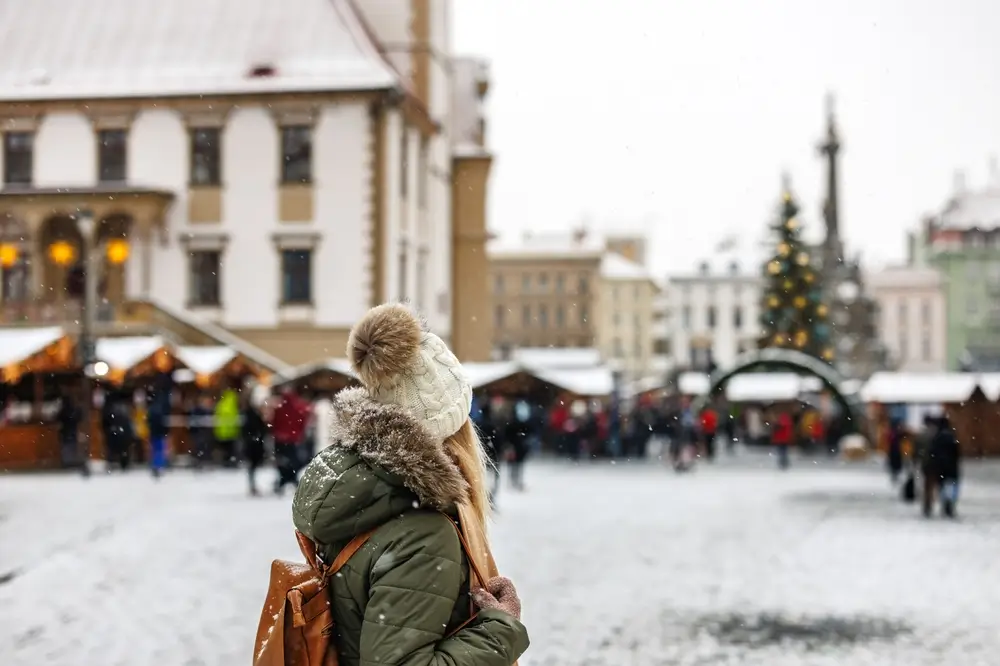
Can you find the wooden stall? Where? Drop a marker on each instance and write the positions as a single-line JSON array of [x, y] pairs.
[[321, 379], [34, 363]]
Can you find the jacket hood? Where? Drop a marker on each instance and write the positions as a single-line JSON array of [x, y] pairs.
[[381, 463]]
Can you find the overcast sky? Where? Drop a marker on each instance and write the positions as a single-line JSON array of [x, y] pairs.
[[678, 116]]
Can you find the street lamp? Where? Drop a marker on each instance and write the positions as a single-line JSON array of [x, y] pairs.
[[85, 223]]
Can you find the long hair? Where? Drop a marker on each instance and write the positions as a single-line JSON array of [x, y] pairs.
[[468, 453]]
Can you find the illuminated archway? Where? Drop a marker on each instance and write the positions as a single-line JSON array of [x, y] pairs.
[[794, 361]]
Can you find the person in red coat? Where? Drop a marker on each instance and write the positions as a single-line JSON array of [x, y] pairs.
[[288, 427], [781, 437]]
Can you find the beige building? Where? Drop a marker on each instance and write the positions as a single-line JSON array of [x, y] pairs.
[[912, 317], [263, 171], [626, 327], [545, 291]]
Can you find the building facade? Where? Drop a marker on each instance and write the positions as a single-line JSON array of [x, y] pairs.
[[912, 317], [713, 314], [962, 241], [626, 317], [277, 196], [545, 291]]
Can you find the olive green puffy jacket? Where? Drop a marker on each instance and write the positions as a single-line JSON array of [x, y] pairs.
[[397, 599]]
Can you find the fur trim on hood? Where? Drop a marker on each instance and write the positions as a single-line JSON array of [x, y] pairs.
[[387, 436]]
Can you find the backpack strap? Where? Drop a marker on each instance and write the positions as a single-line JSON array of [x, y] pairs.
[[308, 548]]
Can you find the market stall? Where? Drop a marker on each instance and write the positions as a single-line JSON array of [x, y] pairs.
[[35, 362], [322, 378]]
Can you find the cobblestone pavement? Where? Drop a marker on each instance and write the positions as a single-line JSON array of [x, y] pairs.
[[617, 565]]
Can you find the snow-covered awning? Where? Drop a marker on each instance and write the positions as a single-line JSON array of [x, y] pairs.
[[693, 383], [557, 357], [205, 360], [588, 382], [919, 388], [340, 366], [481, 374], [20, 344], [764, 386], [989, 382], [125, 353]]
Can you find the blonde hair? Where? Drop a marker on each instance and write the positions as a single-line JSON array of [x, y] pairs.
[[468, 453]]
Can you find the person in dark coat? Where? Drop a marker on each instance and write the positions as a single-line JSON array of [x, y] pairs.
[[118, 431], [69, 418], [941, 469], [894, 459], [254, 434], [518, 432], [288, 427], [158, 420], [201, 421]]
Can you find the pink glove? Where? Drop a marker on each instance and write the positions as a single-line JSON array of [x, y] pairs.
[[499, 595]]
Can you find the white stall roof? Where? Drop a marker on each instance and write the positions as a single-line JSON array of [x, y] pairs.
[[764, 387], [692, 383], [557, 357], [17, 344], [126, 353], [919, 388], [589, 382], [990, 383], [205, 360], [481, 374], [339, 365]]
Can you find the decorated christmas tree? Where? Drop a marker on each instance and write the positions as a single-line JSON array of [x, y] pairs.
[[793, 314]]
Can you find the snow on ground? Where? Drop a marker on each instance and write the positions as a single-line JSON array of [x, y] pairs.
[[617, 565]]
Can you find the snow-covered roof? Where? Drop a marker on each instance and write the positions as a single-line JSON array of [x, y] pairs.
[[919, 388], [616, 267], [589, 382], [557, 357], [980, 208], [481, 374], [339, 365], [548, 245], [79, 49], [989, 382], [18, 344], [693, 383], [205, 360], [125, 353]]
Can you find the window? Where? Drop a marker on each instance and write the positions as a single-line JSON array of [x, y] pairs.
[[526, 316], [904, 352], [710, 317], [111, 155], [526, 284], [423, 175], [204, 281], [498, 284], [543, 316], [686, 316], [421, 286], [543, 282], [737, 318], [560, 283], [296, 277], [296, 154], [404, 268], [206, 156], [560, 316], [925, 313], [925, 347], [18, 151], [902, 313], [583, 285], [15, 280], [498, 316]]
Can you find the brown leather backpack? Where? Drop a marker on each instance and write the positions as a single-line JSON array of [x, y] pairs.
[[296, 624]]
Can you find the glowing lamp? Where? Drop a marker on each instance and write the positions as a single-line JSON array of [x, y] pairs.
[[162, 361], [774, 267], [828, 354], [62, 253], [203, 380], [8, 255], [821, 310], [801, 338], [784, 249], [800, 302], [117, 251], [12, 374]]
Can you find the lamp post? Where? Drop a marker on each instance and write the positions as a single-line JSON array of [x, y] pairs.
[[86, 224]]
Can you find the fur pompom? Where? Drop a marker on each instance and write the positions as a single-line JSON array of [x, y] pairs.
[[384, 344]]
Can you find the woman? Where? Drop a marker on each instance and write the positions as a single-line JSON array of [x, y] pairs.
[[405, 462]]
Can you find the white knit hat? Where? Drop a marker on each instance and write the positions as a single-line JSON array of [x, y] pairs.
[[401, 363]]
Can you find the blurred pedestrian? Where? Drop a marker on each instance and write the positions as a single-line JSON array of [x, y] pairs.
[[782, 431], [894, 457], [941, 469], [254, 435], [288, 427], [227, 426]]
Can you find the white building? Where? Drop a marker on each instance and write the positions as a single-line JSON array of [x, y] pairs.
[[913, 317], [712, 313], [272, 167]]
